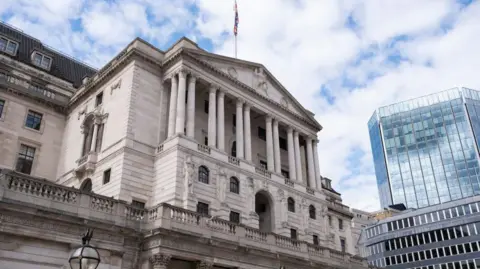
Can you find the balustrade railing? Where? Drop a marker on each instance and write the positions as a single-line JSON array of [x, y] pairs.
[[233, 160], [289, 182], [203, 148], [170, 217], [263, 172], [310, 191]]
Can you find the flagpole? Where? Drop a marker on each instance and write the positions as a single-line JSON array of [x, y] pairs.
[[235, 46], [235, 27]]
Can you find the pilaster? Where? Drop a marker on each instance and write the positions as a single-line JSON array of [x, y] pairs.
[[276, 147], [310, 163], [221, 120], [270, 153], [247, 132], [291, 154], [298, 162], [212, 128], [239, 128], [191, 106], [318, 178], [172, 112]]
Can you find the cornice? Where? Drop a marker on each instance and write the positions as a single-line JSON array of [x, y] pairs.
[[58, 108]]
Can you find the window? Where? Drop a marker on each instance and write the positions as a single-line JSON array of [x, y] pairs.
[[34, 120], [283, 143], [2, 105], [262, 134], [205, 140], [291, 204], [343, 245], [234, 217], [264, 164], [293, 234], [234, 149], [25, 159], [98, 142], [312, 212], [138, 204], [330, 221], [234, 185], [8, 46], [205, 106], [41, 60], [99, 99], [234, 120], [203, 174], [285, 173], [106, 176], [315, 240], [340, 224], [86, 185], [202, 208]]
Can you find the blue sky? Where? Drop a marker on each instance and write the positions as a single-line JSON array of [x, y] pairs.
[[340, 59]]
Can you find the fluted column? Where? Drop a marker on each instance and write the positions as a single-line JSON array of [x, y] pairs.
[[212, 128], [298, 160], [182, 90], [247, 132], [221, 120], [291, 155], [310, 164], [270, 153], [318, 179], [94, 137], [172, 114], [160, 261], [276, 147], [239, 128], [191, 107]]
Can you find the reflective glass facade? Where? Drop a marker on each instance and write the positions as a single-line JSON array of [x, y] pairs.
[[425, 150]]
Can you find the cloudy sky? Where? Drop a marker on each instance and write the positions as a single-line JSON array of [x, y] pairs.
[[340, 58]]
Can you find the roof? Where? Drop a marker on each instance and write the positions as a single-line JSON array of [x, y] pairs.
[[63, 66]]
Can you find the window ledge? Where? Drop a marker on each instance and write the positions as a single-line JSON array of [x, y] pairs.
[[34, 130]]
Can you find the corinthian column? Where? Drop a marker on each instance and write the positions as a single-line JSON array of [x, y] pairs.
[[291, 155], [212, 128], [191, 107], [311, 168], [221, 120], [172, 114], [318, 179], [160, 261], [247, 132], [239, 128], [182, 89], [298, 160], [276, 147], [270, 158]]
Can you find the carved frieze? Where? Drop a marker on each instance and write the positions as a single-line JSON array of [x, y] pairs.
[[160, 259], [204, 265]]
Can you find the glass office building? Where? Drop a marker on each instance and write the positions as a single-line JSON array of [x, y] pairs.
[[425, 150]]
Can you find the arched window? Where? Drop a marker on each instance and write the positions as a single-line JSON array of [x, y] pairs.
[[291, 204], [234, 185], [312, 212], [86, 185], [203, 174], [234, 149]]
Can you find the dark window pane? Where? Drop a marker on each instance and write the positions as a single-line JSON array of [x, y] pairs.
[[262, 134], [293, 234], [234, 217], [203, 174], [234, 185], [202, 208], [106, 176], [2, 104], [34, 120], [25, 159], [291, 204], [312, 212], [315, 240]]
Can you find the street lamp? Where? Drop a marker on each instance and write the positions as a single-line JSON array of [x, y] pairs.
[[86, 256]]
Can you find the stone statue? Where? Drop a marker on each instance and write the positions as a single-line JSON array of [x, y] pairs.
[[306, 213], [189, 173], [221, 185]]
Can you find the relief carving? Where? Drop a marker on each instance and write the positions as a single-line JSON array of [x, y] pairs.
[[160, 259], [221, 184], [189, 173], [116, 85]]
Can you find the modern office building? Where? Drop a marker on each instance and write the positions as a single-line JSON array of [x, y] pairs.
[[425, 150], [178, 159], [443, 236]]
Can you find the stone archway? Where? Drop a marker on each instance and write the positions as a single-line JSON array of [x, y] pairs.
[[86, 185], [264, 207]]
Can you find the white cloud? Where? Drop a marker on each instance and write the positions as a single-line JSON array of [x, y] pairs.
[[305, 44]]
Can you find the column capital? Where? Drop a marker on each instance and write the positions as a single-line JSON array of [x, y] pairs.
[[193, 78], [221, 93], [204, 265], [213, 88], [275, 121], [240, 101], [309, 139], [268, 118], [290, 129], [160, 259], [183, 72], [247, 105]]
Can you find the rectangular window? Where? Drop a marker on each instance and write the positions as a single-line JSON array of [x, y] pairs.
[[340, 224], [315, 240], [34, 120], [330, 221], [343, 245], [8, 46], [410, 257], [474, 246], [25, 159], [99, 99], [428, 254], [474, 208], [441, 252], [262, 134], [467, 247], [293, 234], [453, 249], [202, 208], [434, 253], [138, 204], [106, 176], [285, 173], [263, 164], [2, 105], [234, 217], [41, 60], [205, 106], [283, 143], [415, 256], [422, 255]]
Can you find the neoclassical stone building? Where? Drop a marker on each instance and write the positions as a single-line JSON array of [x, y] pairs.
[[178, 159]]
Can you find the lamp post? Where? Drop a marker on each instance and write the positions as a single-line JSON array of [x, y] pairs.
[[86, 256]]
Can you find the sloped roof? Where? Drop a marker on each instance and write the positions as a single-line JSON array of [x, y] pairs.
[[63, 66]]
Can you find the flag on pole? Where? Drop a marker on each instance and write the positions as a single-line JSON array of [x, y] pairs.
[[235, 27]]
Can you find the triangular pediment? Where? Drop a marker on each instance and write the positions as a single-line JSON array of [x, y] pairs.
[[257, 77]]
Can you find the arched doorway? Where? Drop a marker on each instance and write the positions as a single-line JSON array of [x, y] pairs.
[[264, 208], [86, 185]]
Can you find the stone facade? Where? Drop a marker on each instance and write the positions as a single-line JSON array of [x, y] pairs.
[[185, 143]]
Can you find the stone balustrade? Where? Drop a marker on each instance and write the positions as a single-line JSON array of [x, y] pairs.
[[45, 194]]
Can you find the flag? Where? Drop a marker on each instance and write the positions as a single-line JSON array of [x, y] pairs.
[[235, 27]]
